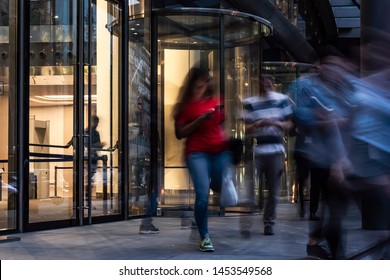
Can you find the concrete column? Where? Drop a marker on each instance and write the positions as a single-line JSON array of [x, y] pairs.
[[375, 30], [375, 58]]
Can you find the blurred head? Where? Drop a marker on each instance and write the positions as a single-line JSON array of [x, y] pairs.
[[266, 84], [336, 70], [94, 121], [196, 86]]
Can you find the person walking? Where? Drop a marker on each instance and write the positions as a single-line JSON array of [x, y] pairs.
[[321, 111], [198, 118], [267, 117], [96, 146]]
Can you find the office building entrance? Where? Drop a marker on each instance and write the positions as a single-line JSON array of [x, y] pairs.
[[86, 98], [73, 111]]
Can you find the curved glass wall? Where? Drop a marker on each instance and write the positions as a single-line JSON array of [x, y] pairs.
[[229, 44]]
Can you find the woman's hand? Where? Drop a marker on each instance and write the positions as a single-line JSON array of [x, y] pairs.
[[208, 114], [186, 130]]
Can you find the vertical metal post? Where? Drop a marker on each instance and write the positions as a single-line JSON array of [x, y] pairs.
[[22, 99], [154, 141], [221, 80], [105, 196], [124, 109], [79, 115], [111, 120], [222, 58], [1, 185], [55, 180], [89, 106]]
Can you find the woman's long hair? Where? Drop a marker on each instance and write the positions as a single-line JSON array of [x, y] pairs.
[[187, 90]]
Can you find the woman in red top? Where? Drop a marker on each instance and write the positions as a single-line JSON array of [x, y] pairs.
[[198, 117]]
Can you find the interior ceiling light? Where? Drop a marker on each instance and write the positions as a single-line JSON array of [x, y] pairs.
[[133, 2], [67, 97], [58, 100]]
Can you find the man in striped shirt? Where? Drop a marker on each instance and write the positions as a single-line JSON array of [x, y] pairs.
[[267, 117]]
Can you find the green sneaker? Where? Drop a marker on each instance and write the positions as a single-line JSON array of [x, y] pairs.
[[206, 245]]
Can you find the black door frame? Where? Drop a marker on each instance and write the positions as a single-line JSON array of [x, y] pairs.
[[23, 96]]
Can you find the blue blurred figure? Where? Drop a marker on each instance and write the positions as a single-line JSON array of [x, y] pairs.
[[319, 114]]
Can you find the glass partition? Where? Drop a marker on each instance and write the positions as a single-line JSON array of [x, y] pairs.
[[139, 119], [53, 52], [141, 195], [229, 44], [73, 112], [102, 108], [8, 103]]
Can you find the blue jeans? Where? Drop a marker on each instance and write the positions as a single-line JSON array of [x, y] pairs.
[[206, 170]]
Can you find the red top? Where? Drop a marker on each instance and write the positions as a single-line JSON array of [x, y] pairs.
[[209, 136]]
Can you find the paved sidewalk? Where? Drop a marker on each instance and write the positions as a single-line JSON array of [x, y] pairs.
[[121, 240]]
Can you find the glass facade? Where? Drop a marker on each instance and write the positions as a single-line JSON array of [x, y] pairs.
[[99, 142], [73, 112], [141, 193], [9, 193]]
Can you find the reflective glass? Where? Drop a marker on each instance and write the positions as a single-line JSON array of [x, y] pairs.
[[9, 187], [52, 84], [140, 193], [189, 38]]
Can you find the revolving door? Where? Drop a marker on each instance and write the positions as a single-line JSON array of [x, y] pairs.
[[226, 42]]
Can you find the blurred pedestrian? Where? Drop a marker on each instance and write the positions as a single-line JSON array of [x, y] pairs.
[[198, 118], [302, 169], [96, 146], [368, 181], [321, 111], [267, 117]]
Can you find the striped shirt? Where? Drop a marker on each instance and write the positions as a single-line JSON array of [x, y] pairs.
[[273, 106]]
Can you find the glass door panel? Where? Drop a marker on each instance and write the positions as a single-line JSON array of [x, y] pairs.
[[8, 183], [241, 81], [101, 180], [52, 66], [140, 193], [59, 189]]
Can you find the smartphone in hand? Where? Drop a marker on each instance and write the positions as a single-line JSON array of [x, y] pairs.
[[219, 107]]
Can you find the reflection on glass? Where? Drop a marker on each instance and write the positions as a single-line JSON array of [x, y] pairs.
[[242, 69], [8, 180], [185, 41], [51, 188], [52, 181], [139, 120], [102, 116]]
